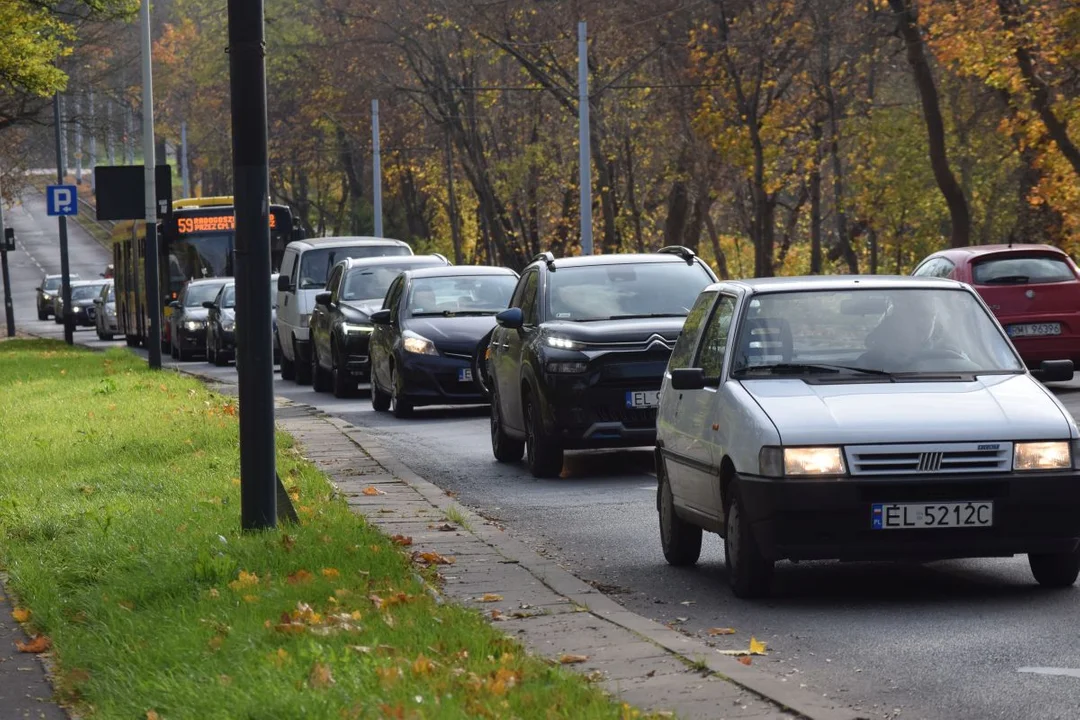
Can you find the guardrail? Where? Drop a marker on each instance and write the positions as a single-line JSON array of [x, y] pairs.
[[89, 222]]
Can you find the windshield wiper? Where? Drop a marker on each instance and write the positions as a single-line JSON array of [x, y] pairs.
[[1008, 280], [644, 315], [795, 368], [454, 313]]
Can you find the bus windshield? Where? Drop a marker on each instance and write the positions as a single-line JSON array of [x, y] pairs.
[[201, 256]]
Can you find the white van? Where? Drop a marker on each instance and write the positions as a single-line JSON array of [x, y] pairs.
[[305, 267]]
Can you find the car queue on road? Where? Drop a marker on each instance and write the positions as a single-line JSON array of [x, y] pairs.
[[798, 418]]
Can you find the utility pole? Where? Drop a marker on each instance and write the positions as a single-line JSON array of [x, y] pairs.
[[184, 160], [585, 174], [65, 266], [93, 142], [153, 290], [9, 308], [376, 168], [251, 193], [78, 139], [64, 143], [129, 135]]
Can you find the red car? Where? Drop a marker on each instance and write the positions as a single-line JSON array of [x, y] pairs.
[[1034, 290]]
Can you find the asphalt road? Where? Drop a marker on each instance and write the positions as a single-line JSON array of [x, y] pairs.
[[945, 640]]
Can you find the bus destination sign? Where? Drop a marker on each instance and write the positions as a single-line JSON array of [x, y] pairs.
[[212, 223]]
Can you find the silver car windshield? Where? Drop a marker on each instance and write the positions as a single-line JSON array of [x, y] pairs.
[[901, 331]]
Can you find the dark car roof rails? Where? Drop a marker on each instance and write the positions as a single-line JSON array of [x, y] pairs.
[[684, 252], [547, 257]]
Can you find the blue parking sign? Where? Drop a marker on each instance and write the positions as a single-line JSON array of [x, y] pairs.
[[61, 200]]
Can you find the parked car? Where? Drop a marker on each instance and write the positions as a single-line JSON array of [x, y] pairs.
[[105, 312], [221, 325], [577, 360], [187, 317], [305, 268], [47, 292], [83, 309], [861, 418], [422, 347], [340, 325], [1033, 290]]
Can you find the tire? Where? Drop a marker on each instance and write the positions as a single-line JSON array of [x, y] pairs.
[[174, 352], [288, 368], [303, 370], [42, 315], [58, 319], [184, 355], [131, 341], [749, 572], [680, 540], [319, 380], [344, 385], [380, 401], [1055, 570], [544, 454], [399, 405], [219, 360], [506, 449]]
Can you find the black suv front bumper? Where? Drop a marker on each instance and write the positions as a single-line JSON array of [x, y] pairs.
[[832, 519]]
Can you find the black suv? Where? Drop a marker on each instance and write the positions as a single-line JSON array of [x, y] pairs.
[[577, 360], [340, 325]]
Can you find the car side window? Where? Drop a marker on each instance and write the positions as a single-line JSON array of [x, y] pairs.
[[683, 354], [393, 294], [529, 305], [334, 284], [713, 347], [938, 267], [294, 271]]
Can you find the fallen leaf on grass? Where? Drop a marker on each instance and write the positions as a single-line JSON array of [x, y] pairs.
[[745, 660], [331, 573], [422, 666], [490, 597], [300, 576], [402, 540], [320, 676], [244, 580], [569, 659], [37, 644], [713, 632], [152, 715], [287, 542], [20, 614], [372, 490]]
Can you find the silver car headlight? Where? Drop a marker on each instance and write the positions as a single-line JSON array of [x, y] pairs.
[[801, 462], [194, 325], [1042, 455], [416, 343], [228, 325]]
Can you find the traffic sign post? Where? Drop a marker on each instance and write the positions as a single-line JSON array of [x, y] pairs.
[[61, 200]]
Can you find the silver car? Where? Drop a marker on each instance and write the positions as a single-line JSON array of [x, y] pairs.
[[861, 418], [105, 316]]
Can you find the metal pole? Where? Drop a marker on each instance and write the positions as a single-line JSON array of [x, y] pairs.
[[109, 150], [129, 136], [153, 290], [9, 308], [185, 178], [251, 193], [376, 167], [585, 173], [64, 157], [65, 267], [78, 139], [93, 143]]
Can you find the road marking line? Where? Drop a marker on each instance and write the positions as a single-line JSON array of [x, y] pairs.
[[1064, 672]]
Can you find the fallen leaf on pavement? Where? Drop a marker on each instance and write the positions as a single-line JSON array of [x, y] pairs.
[[490, 597], [713, 632], [402, 540], [38, 644], [569, 659], [372, 490], [497, 615], [432, 558], [745, 660], [20, 614], [756, 648], [320, 676], [447, 527]]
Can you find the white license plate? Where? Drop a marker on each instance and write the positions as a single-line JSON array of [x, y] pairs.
[[1034, 329], [464, 375], [915, 516], [643, 399]]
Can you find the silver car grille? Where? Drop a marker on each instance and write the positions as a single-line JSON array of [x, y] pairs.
[[928, 459]]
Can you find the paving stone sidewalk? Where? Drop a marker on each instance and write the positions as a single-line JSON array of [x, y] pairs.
[[544, 606], [25, 691]]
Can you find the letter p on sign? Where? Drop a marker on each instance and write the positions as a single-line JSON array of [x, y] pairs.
[[61, 200]]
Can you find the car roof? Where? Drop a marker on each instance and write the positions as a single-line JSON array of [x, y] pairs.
[[344, 241], [837, 283], [208, 281], [421, 260], [84, 283], [613, 259], [60, 275], [460, 271]]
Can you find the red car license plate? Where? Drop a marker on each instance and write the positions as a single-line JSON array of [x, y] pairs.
[[1034, 329]]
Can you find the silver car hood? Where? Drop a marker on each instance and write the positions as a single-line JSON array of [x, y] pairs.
[[993, 407]]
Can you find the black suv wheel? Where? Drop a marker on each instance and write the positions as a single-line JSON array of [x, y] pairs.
[[506, 449], [544, 453]]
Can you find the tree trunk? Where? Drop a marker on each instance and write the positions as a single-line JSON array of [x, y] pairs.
[[815, 204], [1041, 100], [452, 206], [959, 213], [631, 195], [718, 251]]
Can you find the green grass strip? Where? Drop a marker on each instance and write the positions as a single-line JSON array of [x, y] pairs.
[[119, 531]]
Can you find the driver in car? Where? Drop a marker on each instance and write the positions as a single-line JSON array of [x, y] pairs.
[[903, 335]]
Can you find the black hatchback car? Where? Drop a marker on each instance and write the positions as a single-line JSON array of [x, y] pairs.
[[577, 360], [187, 317], [47, 292], [426, 334], [340, 325]]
